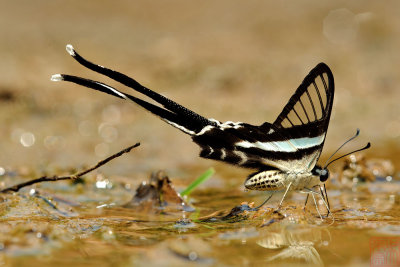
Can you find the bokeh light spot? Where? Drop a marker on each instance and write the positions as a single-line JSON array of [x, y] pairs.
[[111, 114], [108, 132], [340, 26], [27, 139]]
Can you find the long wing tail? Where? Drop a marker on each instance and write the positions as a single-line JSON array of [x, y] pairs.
[[174, 114]]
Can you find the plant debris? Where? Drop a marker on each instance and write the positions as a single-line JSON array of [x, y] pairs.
[[54, 178], [158, 195]]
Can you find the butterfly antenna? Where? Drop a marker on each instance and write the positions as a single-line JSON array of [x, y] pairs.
[[326, 163], [366, 147]]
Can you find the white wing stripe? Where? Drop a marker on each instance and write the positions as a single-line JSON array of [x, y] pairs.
[[180, 127], [291, 145], [307, 142]]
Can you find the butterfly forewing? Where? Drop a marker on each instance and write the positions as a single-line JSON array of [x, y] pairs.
[[312, 101], [305, 118], [292, 143]]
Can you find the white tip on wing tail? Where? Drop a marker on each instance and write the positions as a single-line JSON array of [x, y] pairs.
[[56, 78], [70, 49]]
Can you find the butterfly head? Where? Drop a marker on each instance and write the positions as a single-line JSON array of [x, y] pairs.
[[323, 173]]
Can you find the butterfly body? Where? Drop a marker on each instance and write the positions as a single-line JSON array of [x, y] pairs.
[[275, 180]]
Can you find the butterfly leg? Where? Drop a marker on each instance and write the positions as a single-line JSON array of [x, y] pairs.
[[305, 203], [284, 195], [326, 195], [316, 206], [323, 199], [268, 198]]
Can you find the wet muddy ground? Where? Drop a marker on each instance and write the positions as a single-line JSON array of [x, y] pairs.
[[227, 60], [98, 221]]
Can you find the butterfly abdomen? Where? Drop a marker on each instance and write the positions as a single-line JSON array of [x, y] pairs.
[[271, 180]]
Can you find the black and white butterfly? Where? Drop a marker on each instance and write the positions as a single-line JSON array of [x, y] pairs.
[[284, 152]]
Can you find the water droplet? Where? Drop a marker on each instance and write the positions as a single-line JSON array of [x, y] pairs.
[[108, 234], [103, 183], [192, 256], [32, 192]]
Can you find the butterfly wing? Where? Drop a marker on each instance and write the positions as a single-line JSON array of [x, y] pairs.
[[308, 111], [304, 120], [292, 143]]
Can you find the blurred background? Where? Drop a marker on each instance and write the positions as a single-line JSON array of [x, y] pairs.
[[228, 60]]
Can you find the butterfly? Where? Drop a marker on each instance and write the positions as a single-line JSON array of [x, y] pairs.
[[284, 153]]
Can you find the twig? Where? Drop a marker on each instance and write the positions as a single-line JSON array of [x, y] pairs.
[[54, 178]]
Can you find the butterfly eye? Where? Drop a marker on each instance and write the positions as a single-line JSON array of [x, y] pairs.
[[324, 175]]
